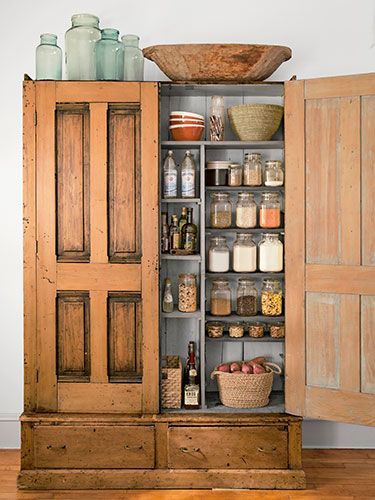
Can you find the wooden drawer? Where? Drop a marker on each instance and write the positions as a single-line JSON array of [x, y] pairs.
[[245, 447], [93, 447]]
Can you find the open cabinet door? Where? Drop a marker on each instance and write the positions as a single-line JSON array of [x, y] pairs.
[[330, 248]]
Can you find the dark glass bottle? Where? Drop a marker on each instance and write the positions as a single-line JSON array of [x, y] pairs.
[[191, 387], [189, 233], [183, 218]]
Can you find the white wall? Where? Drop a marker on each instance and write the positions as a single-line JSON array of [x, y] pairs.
[[328, 37]]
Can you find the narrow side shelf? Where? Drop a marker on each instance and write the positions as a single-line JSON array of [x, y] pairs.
[[250, 189], [255, 230], [247, 319], [223, 144], [167, 256], [181, 200], [254, 275], [245, 338], [181, 315]]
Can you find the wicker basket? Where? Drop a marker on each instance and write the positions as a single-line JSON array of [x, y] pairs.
[[246, 390], [255, 122], [171, 382]]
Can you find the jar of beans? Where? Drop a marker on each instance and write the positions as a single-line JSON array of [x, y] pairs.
[[277, 330], [236, 330], [271, 298], [246, 298], [220, 211], [270, 210], [215, 329], [252, 169], [187, 293], [256, 330]]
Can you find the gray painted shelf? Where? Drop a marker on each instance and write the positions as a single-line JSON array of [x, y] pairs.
[[245, 338], [247, 319], [223, 144], [250, 276]]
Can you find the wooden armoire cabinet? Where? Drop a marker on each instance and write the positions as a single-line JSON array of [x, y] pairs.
[[94, 334]]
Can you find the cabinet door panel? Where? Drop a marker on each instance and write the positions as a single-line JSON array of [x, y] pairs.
[[329, 248]]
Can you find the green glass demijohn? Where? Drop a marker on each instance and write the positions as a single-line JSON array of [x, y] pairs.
[[133, 59], [109, 53], [80, 42], [48, 58]]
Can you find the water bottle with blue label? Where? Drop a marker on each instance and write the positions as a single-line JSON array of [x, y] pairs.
[[188, 176], [170, 176]]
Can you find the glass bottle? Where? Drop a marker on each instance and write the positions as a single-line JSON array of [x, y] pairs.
[[246, 211], [80, 42], [191, 387], [218, 255], [273, 173], [48, 58], [271, 298], [220, 300], [235, 175], [270, 211], [133, 59], [170, 176], [252, 169], [188, 169], [189, 233], [174, 234], [183, 218], [270, 254], [109, 56], [221, 211], [244, 254], [217, 115], [164, 233], [187, 292], [167, 296], [246, 298]]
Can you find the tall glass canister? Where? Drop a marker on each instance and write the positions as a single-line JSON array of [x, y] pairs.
[[80, 42], [109, 54], [48, 58], [133, 59]]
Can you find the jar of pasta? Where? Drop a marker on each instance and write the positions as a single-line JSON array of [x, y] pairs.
[[271, 298], [252, 169], [187, 293], [220, 211], [270, 211]]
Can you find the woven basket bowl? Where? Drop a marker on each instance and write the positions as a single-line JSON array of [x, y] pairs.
[[255, 122], [246, 390]]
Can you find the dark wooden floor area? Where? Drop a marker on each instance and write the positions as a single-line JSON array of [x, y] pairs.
[[331, 474]]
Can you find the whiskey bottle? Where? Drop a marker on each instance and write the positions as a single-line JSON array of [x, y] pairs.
[[191, 387], [189, 233], [174, 234]]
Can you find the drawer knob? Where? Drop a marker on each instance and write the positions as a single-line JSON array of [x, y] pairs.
[[56, 448], [127, 447]]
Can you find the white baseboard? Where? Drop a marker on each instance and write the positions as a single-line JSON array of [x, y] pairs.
[[316, 434]]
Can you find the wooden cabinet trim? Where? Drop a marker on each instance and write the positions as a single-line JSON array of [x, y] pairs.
[[340, 86], [97, 92], [340, 279]]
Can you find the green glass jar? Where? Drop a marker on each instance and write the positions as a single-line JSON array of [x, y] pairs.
[[48, 58], [133, 59], [109, 54], [80, 42]]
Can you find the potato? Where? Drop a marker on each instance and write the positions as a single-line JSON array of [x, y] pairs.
[[258, 369], [246, 368], [237, 372], [235, 367], [257, 361], [224, 368]]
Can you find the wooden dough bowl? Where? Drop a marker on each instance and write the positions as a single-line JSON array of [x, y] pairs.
[[212, 63]]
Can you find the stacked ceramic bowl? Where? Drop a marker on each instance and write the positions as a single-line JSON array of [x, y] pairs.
[[185, 126]]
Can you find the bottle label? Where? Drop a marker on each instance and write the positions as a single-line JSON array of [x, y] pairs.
[[191, 395], [170, 184], [190, 242], [188, 183]]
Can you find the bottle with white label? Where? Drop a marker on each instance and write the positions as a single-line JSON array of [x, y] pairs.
[[170, 176], [188, 176]]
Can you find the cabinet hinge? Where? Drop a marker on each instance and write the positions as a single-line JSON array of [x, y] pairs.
[[36, 246], [35, 118]]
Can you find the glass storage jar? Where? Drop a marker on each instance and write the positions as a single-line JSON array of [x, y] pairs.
[[216, 173], [256, 330], [48, 58], [187, 293], [80, 42], [220, 211], [244, 254], [109, 55], [235, 175], [270, 254], [270, 211], [218, 255], [246, 298], [246, 211], [217, 114], [133, 59], [220, 300], [271, 298], [252, 169], [236, 330], [277, 330], [273, 173], [215, 329]]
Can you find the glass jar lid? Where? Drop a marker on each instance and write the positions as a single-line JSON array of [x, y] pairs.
[[218, 165], [273, 164], [220, 196], [271, 282], [218, 240], [253, 156], [235, 166], [246, 282], [85, 20], [270, 196], [188, 276], [220, 283], [245, 196]]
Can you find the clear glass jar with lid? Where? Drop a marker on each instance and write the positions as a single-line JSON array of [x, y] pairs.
[[271, 251], [270, 211], [220, 211], [80, 42], [271, 298], [218, 255], [220, 300], [273, 173], [235, 175], [252, 169], [244, 254], [246, 211], [187, 292], [246, 298]]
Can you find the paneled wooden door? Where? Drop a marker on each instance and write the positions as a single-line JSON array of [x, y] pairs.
[[330, 248], [91, 301]]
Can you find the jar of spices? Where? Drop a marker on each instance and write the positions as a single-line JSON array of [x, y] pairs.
[[256, 330], [221, 211], [215, 329], [277, 330], [270, 254], [273, 173], [218, 255], [252, 169], [270, 211], [246, 298], [220, 301], [235, 175], [246, 211], [236, 330], [244, 254], [271, 298], [187, 293]]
